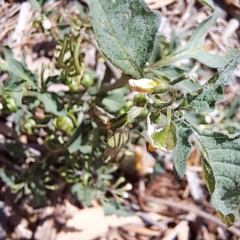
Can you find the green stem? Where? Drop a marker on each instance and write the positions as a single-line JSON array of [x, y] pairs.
[[42, 76], [59, 63], [179, 79], [118, 84], [75, 56], [173, 98]]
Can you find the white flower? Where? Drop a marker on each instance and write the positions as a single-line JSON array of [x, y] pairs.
[[125, 195], [151, 129], [128, 187], [143, 85], [46, 24]]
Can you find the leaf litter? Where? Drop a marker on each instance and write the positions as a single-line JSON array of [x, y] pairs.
[[170, 207]]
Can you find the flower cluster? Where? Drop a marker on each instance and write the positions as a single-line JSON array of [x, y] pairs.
[[164, 138]]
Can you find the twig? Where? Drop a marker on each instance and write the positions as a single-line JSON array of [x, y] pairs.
[[173, 234], [193, 209], [150, 221]]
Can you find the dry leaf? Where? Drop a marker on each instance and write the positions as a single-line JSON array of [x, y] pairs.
[[86, 224]]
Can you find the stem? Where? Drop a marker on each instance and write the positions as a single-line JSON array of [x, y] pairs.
[[179, 79], [40, 126], [75, 57], [59, 63], [42, 76], [118, 84], [173, 92]]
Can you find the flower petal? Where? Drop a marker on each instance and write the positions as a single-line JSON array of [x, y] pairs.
[[143, 85], [147, 137]]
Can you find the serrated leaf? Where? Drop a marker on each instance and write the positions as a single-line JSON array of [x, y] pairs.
[[194, 48], [125, 31], [221, 154], [51, 103], [205, 98], [183, 148]]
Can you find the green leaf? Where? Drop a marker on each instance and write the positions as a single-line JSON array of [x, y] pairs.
[[113, 208], [171, 72], [194, 48], [13, 66], [221, 166], [211, 60], [205, 98], [85, 149], [84, 193], [63, 29], [199, 34], [13, 83], [75, 140], [125, 31], [114, 102], [36, 6], [6, 179], [187, 86], [51, 103], [17, 97], [182, 150], [17, 119], [209, 3]]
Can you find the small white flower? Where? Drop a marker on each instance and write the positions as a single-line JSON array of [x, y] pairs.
[[124, 195], [151, 129], [208, 119], [128, 187], [143, 85], [46, 24]]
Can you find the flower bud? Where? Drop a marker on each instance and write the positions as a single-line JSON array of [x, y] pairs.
[[65, 123], [143, 85], [139, 100], [128, 187], [46, 24]]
